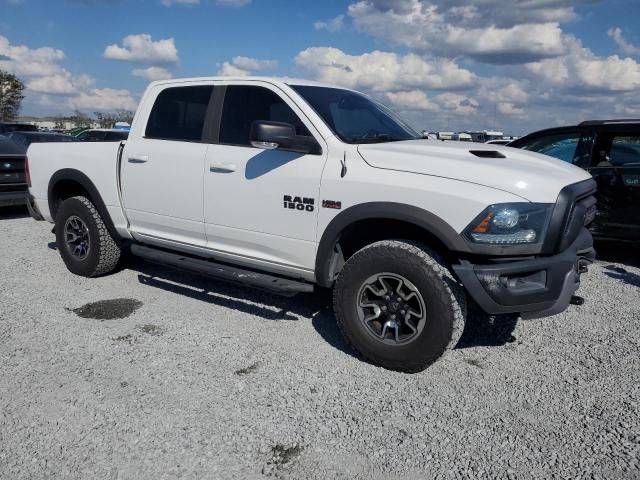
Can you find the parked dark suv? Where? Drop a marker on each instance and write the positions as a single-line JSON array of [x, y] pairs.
[[17, 127], [13, 182], [610, 151]]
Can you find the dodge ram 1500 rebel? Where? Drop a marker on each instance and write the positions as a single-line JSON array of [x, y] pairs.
[[288, 185]]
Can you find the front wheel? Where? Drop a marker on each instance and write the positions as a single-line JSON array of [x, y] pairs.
[[85, 245], [398, 305]]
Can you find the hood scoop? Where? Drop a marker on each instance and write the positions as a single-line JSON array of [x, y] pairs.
[[487, 153]]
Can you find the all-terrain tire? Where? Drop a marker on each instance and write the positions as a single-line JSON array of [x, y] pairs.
[[103, 252], [444, 299]]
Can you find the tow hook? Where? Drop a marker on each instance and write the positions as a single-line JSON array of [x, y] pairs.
[[576, 300]]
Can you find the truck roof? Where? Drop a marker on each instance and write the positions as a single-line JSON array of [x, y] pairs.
[[274, 80]]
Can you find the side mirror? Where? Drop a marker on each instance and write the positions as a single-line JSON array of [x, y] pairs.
[[279, 135]]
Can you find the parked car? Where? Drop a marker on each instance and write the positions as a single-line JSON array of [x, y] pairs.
[[13, 183], [17, 127], [103, 135], [24, 139], [288, 185], [610, 151]]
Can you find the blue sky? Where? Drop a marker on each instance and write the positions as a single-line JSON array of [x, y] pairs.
[[443, 64]]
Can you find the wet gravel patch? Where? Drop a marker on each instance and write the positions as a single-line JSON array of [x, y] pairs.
[[206, 381], [116, 308]]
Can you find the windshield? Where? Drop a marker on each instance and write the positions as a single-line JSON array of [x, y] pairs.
[[355, 118]]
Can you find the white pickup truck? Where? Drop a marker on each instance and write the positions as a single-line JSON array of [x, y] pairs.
[[288, 185]]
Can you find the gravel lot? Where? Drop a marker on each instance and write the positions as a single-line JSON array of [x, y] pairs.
[[199, 379]]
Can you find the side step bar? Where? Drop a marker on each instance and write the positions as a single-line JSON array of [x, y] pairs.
[[264, 281]]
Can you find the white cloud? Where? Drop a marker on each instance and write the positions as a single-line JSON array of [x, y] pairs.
[[493, 12], [104, 99], [623, 44], [485, 30], [582, 70], [411, 100], [243, 66], [334, 25], [505, 90], [22, 60], [62, 83], [508, 108], [456, 103], [142, 48], [382, 71], [229, 70], [49, 84], [152, 73], [253, 64]]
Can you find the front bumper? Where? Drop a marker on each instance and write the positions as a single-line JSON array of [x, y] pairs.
[[535, 288], [8, 199]]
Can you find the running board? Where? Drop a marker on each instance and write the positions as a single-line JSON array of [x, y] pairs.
[[264, 281]]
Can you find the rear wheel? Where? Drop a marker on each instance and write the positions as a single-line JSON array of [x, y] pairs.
[[85, 245], [398, 305]]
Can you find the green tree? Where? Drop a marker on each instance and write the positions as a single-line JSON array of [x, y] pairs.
[[108, 119], [80, 119], [11, 95]]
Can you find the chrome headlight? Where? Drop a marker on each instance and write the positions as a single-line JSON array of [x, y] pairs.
[[510, 224]]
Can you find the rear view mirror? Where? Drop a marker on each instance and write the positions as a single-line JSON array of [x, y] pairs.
[[279, 135]]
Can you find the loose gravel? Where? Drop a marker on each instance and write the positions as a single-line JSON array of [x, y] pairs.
[[172, 375]]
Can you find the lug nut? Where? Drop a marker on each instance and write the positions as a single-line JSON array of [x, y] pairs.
[[384, 308]]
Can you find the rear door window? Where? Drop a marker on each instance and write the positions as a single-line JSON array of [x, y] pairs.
[[571, 147], [179, 114], [625, 150]]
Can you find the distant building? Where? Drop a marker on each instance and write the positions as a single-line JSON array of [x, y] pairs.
[[445, 135]]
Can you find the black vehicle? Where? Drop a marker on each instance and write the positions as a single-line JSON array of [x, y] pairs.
[[103, 135], [13, 181], [24, 139], [610, 151], [17, 127]]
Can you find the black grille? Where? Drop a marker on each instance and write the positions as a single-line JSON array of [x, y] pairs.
[[575, 208]]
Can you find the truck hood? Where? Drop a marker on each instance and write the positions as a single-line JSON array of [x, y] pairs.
[[534, 177]]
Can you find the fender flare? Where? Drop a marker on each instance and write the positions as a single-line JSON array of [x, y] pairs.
[[86, 183], [384, 211]]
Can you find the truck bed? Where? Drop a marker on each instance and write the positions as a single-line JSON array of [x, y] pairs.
[[98, 161]]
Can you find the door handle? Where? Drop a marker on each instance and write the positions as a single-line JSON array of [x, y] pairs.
[[138, 159], [222, 167]]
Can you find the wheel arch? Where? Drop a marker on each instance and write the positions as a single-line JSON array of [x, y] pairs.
[[415, 219], [69, 182]]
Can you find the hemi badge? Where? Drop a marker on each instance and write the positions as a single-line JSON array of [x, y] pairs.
[[331, 204]]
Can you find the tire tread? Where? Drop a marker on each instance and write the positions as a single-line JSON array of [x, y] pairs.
[[108, 249], [453, 294]]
